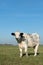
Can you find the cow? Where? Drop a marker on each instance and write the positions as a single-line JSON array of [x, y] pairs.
[[27, 40]]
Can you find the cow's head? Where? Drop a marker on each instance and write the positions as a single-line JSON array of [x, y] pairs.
[[18, 36]]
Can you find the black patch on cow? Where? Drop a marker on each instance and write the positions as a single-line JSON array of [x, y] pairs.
[[19, 40], [13, 34], [21, 34]]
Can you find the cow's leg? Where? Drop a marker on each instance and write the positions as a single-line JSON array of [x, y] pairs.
[[20, 52], [26, 51], [36, 49]]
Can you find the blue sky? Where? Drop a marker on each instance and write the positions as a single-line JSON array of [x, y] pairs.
[[20, 15]]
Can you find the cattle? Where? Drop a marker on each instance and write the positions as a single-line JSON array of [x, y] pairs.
[[26, 41]]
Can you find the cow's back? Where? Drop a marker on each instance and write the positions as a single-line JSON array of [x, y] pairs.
[[33, 39]]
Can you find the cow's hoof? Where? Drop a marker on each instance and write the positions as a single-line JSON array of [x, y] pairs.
[[35, 54]]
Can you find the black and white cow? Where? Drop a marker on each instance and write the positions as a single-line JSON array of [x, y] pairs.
[[27, 40]]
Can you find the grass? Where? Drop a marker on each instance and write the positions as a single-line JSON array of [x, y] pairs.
[[9, 55]]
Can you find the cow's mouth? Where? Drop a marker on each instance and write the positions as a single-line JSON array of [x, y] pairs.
[[19, 40]]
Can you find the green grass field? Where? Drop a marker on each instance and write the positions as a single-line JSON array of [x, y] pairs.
[[9, 55]]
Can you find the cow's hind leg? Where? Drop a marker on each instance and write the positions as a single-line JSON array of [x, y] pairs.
[[36, 49]]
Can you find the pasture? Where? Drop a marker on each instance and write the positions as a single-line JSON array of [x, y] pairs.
[[9, 55]]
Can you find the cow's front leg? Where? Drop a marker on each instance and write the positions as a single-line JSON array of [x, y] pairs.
[[20, 52], [26, 52]]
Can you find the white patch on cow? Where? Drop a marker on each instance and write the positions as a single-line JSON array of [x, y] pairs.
[[23, 46], [17, 34]]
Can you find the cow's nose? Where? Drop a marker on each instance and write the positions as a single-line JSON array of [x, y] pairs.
[[17, 38]]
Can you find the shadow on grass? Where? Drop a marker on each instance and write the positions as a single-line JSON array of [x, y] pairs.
[[30, 54]]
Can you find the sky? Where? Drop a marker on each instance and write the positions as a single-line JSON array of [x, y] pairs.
[[20, 15]]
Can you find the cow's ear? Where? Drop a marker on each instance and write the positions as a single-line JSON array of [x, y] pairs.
[[13, 34], [21, 34]]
